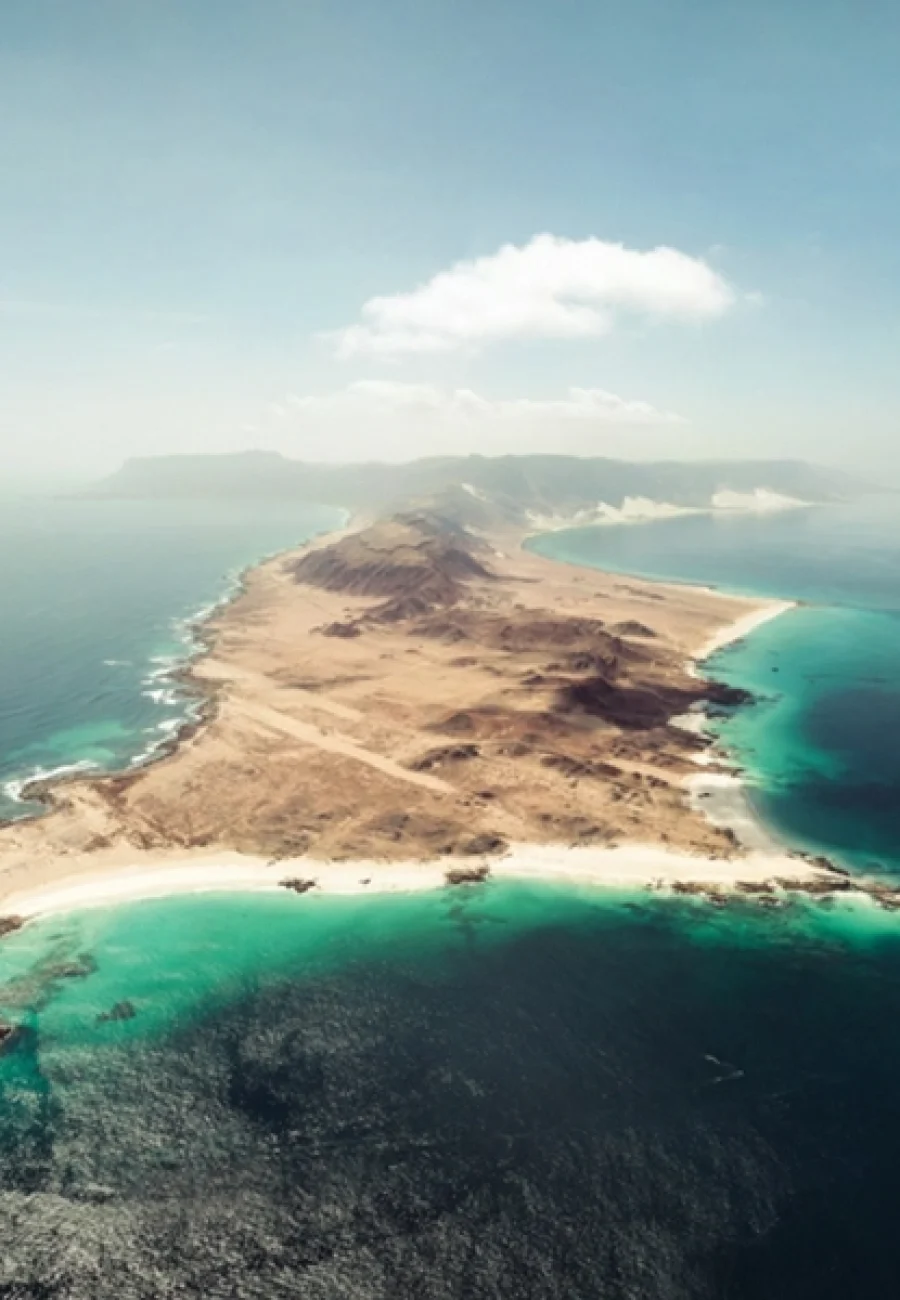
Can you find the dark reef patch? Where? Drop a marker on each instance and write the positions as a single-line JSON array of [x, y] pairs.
[[595, 1106]]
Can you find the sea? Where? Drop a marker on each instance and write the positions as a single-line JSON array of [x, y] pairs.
[[506, 1090]]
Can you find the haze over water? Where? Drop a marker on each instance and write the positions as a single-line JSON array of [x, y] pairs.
[[508, 1091]]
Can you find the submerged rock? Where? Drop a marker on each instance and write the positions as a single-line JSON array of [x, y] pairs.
[[9, 1033], [78, 968], [119, 1011]]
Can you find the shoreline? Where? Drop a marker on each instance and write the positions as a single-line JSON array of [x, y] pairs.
[[168, 673], [641, 867], [742, 627], [721, 795]]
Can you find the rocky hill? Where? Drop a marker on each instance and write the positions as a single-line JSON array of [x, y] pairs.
[[416, 559]]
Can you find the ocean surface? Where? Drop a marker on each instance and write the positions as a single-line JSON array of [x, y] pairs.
[[98, 600], [508, 1090]]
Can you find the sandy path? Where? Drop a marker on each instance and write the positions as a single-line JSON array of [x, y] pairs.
[[337, 744], [215, 671]]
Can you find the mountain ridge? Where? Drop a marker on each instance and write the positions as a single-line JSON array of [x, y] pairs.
[[511, 485]]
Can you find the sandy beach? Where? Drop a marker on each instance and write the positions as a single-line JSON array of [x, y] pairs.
[[742, 627], [635, 866]]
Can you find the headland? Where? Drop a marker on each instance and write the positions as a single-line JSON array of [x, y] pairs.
[[414, 702]]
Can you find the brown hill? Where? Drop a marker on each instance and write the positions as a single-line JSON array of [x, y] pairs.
[[413, 561]]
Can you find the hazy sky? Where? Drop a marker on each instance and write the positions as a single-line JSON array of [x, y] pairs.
[[364, 228]]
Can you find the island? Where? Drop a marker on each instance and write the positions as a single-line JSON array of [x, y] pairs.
[[418, 701]]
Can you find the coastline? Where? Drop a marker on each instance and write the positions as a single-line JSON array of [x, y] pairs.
[[634, 866], [104, 878], [171, 671], [719, 794], [742, 627], [716, 792]]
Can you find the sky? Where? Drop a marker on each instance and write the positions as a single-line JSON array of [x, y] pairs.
[[378, 229]]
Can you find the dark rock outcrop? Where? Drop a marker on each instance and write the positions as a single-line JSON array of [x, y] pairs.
[[467, 875], [343, 630], [487, 842], [631, 627], [581, 767], [442, 755]]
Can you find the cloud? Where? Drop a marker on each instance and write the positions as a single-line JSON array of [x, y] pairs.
[[386, 420], [550, 288], [374, 397]]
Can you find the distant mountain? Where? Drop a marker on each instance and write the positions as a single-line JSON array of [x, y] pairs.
[[514, 486]]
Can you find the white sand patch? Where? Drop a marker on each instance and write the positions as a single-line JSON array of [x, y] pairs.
[[722, 799], [760, 501], [742, 627], [642, 510], [633, 510]]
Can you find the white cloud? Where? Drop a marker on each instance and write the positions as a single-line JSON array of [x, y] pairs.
[[375, 397], [550, 288], [387, 420]]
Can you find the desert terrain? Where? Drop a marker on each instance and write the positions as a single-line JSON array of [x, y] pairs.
[[412, 690]]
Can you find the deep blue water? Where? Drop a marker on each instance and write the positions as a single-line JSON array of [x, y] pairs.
[[506, 1091], [96, 601]]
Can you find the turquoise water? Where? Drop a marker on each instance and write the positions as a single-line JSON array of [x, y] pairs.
[[97, 599], [510, 1090], [819, 748]]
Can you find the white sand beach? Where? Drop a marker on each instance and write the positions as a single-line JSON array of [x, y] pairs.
[[742, 627], [629, 866]]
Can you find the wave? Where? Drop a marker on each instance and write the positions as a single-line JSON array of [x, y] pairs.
[[14, 788]]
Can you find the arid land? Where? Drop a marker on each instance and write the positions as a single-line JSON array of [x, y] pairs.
[[412, 697]]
